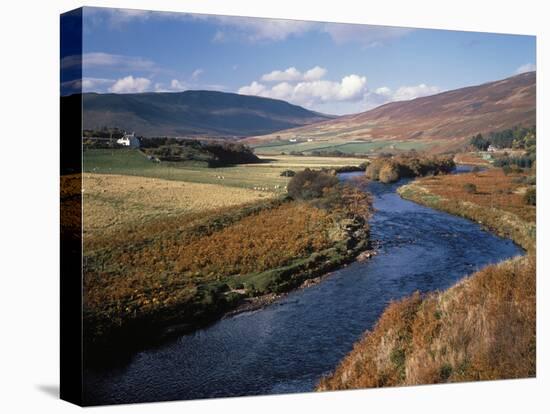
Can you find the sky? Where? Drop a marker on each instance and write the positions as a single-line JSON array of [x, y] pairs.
[[332, 68]]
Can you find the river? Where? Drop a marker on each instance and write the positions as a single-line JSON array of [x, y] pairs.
[[287, 346]]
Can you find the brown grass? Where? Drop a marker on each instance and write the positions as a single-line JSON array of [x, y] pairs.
[[483, 328], [113, 201], [494, 190], [498, 202], [470, 158], [172, 263]]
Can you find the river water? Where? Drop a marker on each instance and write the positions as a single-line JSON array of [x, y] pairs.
[[287, 346]]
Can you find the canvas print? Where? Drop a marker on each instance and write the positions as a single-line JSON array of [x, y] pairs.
[[261, 206]]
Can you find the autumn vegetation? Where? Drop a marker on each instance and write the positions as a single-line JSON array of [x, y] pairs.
[[482, 328], [391, 169], [212, 153], [492, 197], [188, 269]]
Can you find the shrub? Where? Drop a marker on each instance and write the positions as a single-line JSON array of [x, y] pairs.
[[506, 169], [392, 169], [288, 173], [213, 152], [373, 169], [470, 188], [389, 173], [530, 197], [310, 184]]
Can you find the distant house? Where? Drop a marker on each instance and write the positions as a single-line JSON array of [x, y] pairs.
[[292, 140], [491, 148], [129, 140], [310, 140]]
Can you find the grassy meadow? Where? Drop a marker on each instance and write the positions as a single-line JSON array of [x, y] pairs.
[[179, 244], [113, 201], [266, 175], [345, 146]]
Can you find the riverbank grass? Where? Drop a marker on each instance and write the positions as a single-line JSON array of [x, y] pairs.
[[482, 328], [189, 269]]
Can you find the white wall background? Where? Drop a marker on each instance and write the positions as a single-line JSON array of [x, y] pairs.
[[29, 204]]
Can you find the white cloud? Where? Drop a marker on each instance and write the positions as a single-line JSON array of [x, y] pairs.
[[350, 88], [290, 74], [405, 93], [177, 85], [254, 88], [315, 73], [383, 95], [364, 34], [256, 29], [129, 84], [528, 67], [383, 91], [252, 29], [107, 60], [294, 75], [89, 84], [196, 73]]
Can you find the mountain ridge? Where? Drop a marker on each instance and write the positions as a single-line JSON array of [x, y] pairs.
[[193, 113], [456, 114]]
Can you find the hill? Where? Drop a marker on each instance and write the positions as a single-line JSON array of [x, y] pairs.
[[202, 113], [446, 119]]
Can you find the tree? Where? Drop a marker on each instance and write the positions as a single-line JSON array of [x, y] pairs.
[[309, 184], [479, 142]]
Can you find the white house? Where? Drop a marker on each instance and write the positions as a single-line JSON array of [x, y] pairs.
[[129, 140], [491, 148]]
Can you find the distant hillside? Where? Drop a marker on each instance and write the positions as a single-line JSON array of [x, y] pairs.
[[204, 113], [456, 114]]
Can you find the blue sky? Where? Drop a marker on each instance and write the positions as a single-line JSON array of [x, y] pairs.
[[328, 67]]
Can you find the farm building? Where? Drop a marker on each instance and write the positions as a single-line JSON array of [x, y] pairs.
[[129, 140]]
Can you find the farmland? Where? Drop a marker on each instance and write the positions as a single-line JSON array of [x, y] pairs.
[[343, 146], [265, 175], [166, 243], [112, 201]]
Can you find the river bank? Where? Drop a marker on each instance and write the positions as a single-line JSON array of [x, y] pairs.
[[497, 202], [482, 328], [288, 345], [287, 244]]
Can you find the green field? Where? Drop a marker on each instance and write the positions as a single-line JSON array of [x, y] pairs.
[[347, 147], [265, 175]]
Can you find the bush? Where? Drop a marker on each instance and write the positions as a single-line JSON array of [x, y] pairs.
[[389, 173], [530, 197], [373, 169], [309, 184], [288, 173], [470, 188], [392, 169]]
